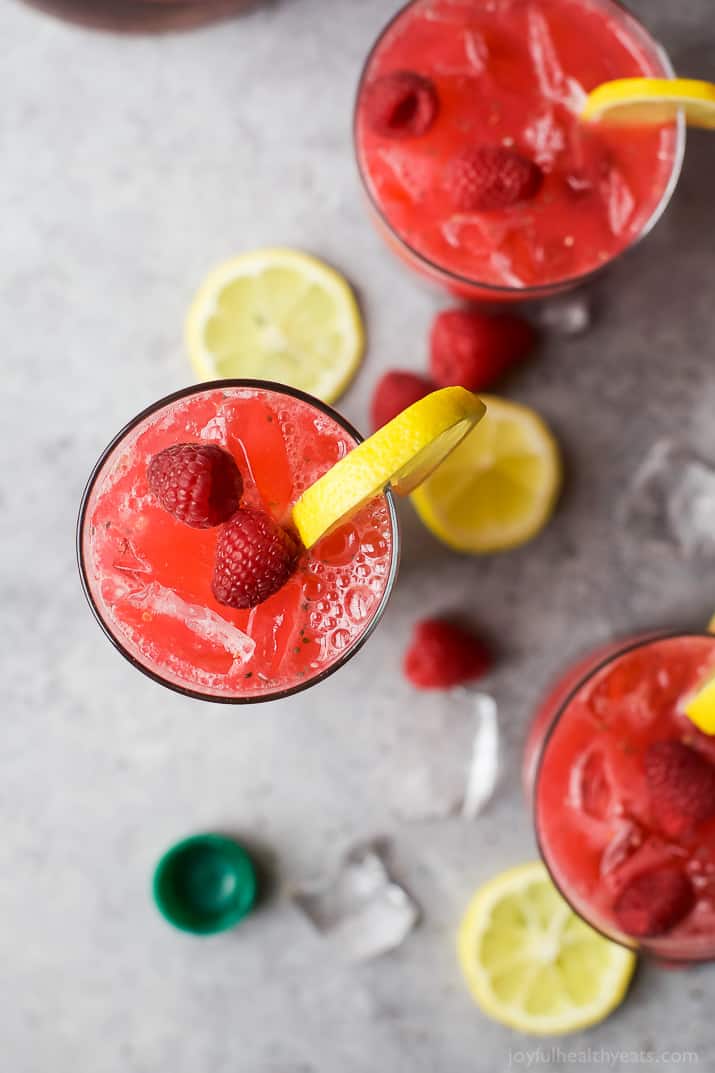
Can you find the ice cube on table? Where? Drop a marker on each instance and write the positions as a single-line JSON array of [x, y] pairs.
[[361, 910], [484, 768], [670, 502], [569, 314], [438, 753]]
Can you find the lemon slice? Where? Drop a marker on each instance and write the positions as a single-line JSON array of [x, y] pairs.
[[276, 314], [400, 454], [498, 489], [534, 965], [641, 101], [711, 625]]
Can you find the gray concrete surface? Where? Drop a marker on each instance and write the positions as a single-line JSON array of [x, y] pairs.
[[129, 167]]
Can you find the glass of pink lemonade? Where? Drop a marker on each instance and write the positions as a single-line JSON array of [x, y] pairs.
[[147, 576], [623, 787], [454, 91]]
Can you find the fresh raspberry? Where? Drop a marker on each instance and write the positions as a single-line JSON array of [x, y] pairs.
[[653, 902], [442, 655], [199, 483], [394, 392], [402, 104], [681, 783], [254, 558], [491, 177], [473, 349]]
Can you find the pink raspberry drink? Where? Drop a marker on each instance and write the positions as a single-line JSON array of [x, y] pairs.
[[624, 796], [479, 172], [149, 577]]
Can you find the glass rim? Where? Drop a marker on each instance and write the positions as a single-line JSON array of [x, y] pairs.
[[628, 646], [539, 290], [148, 411]]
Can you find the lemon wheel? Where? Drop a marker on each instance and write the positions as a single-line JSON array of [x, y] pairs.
[[276, 314], [531, 963], [500, 486]]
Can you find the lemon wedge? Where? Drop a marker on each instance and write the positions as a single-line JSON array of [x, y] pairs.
[[711, 625], [644, 101], [700, 709], [280, 315], [500, 486], [401, 454], [531, 963]]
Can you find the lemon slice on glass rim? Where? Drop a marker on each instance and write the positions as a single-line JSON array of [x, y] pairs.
[[644, 101], [400, 455], [531, 963], [280, 315]]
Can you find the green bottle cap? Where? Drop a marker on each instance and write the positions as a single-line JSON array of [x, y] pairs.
[[205, 884]]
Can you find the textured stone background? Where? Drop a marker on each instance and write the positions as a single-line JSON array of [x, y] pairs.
[[130, 166]]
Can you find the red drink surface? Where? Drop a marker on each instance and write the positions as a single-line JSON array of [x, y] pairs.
[[149, 575], [515, 73], [592, 805]]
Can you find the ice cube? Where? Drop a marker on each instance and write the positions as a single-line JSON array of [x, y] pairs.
[[626, 839], [546, 137], [411, 173], [670, 503], [554, 83], [571, 314], [438, 753], [361, 910], [619, 199], [589, 789], [466, 58], [158, 600], [484, 769], [215, 430], [476, 51], [128, 559]]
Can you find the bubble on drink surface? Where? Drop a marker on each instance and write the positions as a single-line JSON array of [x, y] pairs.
[[438, 752], [669, 505], [359, 602], [567, 315], [360, 909]]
